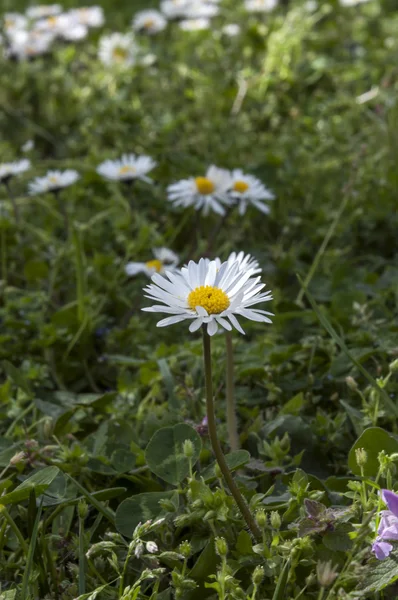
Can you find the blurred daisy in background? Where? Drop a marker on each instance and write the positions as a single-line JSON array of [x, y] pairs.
[[208, 193], [173, 9], [194, 24], [92, 16], [352, 2], [29, 44], [28, 146], [10, 169], [118, 49], [164, 260], [231, 30], [201, 10], [41, 11], [208, 294], [53, 181], [127, 168], [248, 190], [260, 5], [149, 21], [13, 22]]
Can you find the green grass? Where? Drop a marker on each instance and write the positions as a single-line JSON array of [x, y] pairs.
[[88, 379]]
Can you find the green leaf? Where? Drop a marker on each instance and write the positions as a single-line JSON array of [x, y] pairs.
[[380, 574], [339, 539], [39, 482], [280, 590], [235, 460], [164, 454], [17, 377], [141, 508], [244, 543], [373, 440]]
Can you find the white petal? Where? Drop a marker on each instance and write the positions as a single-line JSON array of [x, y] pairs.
[[212, 327], [195, 325]]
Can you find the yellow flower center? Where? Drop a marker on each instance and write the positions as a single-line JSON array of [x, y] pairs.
[[53, 179], [204, 185], [119, 54], [52, 21], [149, 23], [212, 299], [126, 169], [155, 264], [240, 186]]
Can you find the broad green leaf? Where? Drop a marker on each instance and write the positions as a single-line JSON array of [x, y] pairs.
[[373, 440], [339, 539], [164, 454], [39, 482], [380, 574], [140, 508]]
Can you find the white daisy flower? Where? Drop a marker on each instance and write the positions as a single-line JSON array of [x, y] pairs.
[[201, 10], [231, 30], [150, 21], [53, 181], [127, 168], [247, 189], [194, 24], [29, 44], [28, 146], [208, 193], [118, 49], [54, 24], [14, 22], [206, 294], [41, 11], [92, 16], [8, 170], [174, 8], [73, 32], [165, 260], [260, 5], [244, 262]]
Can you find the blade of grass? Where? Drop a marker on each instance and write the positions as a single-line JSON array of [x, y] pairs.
[[280, 589], [108, 514], [28, 567], [389, 404]]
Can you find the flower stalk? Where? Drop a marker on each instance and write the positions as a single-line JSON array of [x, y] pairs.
[[240, 501], [232, 421]]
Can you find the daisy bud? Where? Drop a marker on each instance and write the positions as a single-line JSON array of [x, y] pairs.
[[82, 509], [275, 520], [188, 449], [17, 458], [139, 549], [326, 573], [361, 457], [258, 575], [221, 546], [151, 547], [352, 384], [185, 549], [261, 518], [394, 366]]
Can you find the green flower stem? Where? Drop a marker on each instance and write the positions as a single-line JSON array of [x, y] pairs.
[[15, 529], [82, 558], [13, 201], [211, 419], [4, 274], [232, 422]]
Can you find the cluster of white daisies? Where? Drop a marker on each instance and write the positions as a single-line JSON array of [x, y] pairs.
[[34, 32], [214, 191]]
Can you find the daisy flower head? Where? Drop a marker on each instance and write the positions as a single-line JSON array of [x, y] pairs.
[[260, 5], [164, 260], [248, 190], [127, 168], [42, 11], [8, 170], [14, 22], [149, 21], [195, 24], [206, 294], [53, 181], [90, 16], [118, 49], [244, 262], [173, 9], [29, 44], [197, 10], [208, 193]]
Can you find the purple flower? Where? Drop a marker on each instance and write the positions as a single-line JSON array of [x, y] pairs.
[[388, 526], [381, 549]]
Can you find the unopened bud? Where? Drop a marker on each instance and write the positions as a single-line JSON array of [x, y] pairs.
[[218, 471], [275, 520], [261, 518], [17, 458], [361, 457], [352, 384], [326, 573], [185, 549], [151, 547], [139, 549], [394, 365], [221, 546], [82, 509], [188, 449], [167, 504], [258, 575]]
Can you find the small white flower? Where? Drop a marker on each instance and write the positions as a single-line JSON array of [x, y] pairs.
[[311, 5], [118, 49], [151, 547], [201, 10], [53, 181], [231, 30], [208, 193], [127, 168], [174, 8], [54, 24], [8, 170], [149, 21], [247, 189], [194, 24], [92, 16], [260, 5], [165, 260], [139, 549], [14, 22], [41, 11], [28, 146], [29, 44], [206, 293], [352, 2], [73, 32]]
